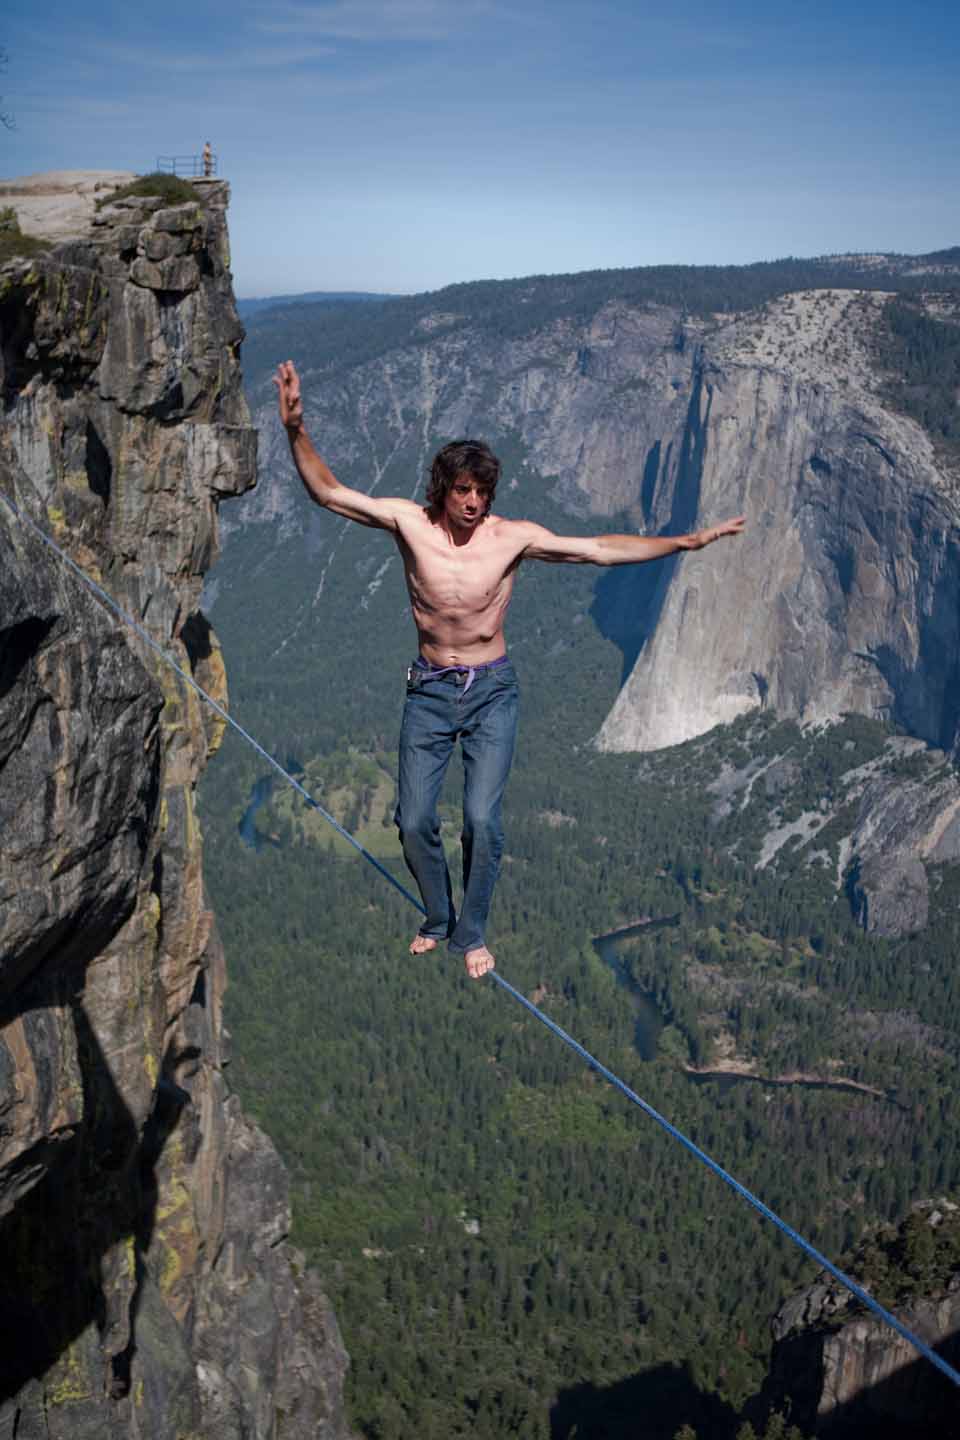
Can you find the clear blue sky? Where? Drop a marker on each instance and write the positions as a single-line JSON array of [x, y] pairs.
[[400, 145]]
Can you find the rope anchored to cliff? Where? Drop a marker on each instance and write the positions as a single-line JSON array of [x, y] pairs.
[[857, 1291]]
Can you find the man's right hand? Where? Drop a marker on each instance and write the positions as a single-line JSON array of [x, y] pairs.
[[287, 382]]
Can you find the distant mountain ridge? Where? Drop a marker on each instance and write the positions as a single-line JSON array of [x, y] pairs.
[[514, 308], [255, 305]]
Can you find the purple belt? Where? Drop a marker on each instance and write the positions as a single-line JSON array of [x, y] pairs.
[[432, 672]]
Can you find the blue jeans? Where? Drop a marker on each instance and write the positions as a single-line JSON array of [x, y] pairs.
[[483, 717]]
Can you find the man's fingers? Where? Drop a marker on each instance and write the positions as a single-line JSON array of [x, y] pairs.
[[733, 527], [288, 387]]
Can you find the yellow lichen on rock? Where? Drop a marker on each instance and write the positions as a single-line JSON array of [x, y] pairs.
[[67, 1382], [175, 1243]]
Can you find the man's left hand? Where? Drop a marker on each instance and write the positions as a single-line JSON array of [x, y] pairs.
[[714, 532]]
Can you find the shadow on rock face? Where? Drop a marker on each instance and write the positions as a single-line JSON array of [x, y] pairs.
[[629, 599], [916, 1400], [96, 1199]]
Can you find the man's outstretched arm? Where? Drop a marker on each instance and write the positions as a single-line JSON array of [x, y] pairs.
[[319, 480], [620, 549]]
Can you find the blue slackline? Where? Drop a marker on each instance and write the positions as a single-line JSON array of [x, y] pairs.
[[856, 1290]]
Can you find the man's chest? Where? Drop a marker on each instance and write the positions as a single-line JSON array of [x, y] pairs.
[[470, 576]]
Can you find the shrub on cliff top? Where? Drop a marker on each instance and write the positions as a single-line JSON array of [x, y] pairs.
[[13, 242], [170, 189]]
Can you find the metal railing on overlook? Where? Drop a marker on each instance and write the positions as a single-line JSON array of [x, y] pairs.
[[189, 167]]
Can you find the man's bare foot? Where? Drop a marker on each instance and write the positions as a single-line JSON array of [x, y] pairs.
[[420, 944], [479, 962]]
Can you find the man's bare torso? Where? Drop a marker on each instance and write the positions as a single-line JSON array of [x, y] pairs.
[[459, 587]]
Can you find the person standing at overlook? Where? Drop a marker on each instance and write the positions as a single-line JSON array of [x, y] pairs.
[[460, 560]]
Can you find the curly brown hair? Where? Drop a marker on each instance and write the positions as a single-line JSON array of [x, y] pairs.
[[461, 457]]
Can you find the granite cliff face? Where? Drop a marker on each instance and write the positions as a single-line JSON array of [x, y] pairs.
[[148, 1288], [842, 596]]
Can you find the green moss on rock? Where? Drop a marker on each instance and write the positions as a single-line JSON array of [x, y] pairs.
[[168, 188]]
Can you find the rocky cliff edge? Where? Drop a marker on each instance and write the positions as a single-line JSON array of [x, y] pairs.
[[842, 1372], [148, 1289]]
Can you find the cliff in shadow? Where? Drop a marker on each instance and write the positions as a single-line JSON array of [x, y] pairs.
[[845, 1374], [148, 1288]]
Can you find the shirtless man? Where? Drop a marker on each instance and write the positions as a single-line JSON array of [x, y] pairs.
[[460, 561]]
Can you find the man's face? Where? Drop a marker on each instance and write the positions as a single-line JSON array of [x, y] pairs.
[[466, 502]]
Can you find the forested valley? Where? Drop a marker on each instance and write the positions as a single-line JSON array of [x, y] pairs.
[[510, 1248]]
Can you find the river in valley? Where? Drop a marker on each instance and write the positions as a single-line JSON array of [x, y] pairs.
[[249, 834], [649, 1023], [648, 1020]]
